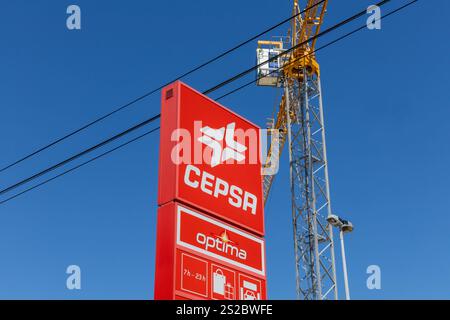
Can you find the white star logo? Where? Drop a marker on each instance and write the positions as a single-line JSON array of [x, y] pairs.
[[212, 137]]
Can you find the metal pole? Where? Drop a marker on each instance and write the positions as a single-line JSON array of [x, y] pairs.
[[344, 265]]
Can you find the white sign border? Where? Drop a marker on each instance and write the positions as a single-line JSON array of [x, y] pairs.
[[261, 271]]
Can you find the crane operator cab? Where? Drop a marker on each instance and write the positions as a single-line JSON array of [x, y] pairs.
[[270, 65]]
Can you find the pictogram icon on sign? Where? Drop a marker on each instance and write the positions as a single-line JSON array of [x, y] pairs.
[[213, 138], [249, 288], [219, 282], [223, 283]]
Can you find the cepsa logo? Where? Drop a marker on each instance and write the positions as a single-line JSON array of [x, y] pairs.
[[217, 187], [223, 146], [226, 145], [218, 240], [213, 138], [211, 158]]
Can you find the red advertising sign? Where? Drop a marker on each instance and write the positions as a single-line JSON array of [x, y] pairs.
[[210, 158], [210, 215], [200, 257]]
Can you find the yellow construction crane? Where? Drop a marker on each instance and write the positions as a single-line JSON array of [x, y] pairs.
[[300, 122]]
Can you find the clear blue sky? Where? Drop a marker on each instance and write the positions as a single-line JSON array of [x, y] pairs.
[[386, 99]]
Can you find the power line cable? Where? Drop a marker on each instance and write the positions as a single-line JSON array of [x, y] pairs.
[[140, 125], [78, 166], [132, 102], [78, 155], [326, 31], [316, 50]]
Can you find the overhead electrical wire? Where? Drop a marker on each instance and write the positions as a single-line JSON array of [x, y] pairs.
[[79, 166], [53, 167], [80, 154], [322, 33], [316, 50], [153, 91], [153, 119]]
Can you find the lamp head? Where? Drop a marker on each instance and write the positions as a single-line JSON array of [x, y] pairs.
[[334, 220], [347, 226]]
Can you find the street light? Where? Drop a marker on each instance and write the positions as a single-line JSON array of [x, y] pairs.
[[344, 227]]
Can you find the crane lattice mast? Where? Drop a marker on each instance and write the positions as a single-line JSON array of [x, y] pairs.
[[300, 123]]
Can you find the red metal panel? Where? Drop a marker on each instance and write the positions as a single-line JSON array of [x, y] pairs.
[[165, 253], [188, 269], [169, 122], [219, 151]]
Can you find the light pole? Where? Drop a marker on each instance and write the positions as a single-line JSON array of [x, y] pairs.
[[344, 227]]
